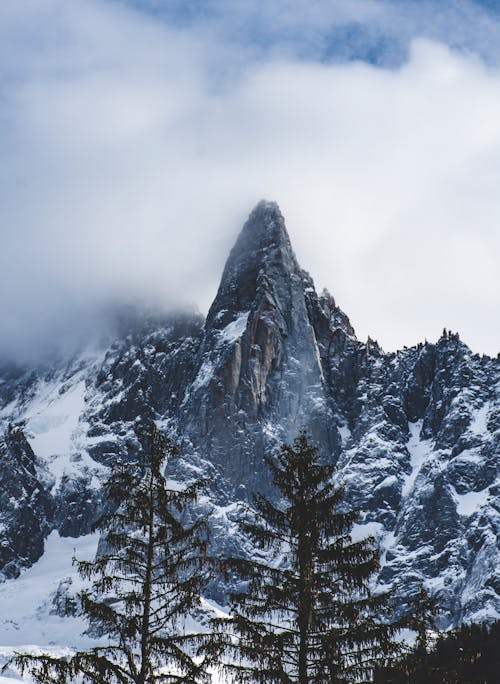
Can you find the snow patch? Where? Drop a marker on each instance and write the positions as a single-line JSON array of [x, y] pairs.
[[175, 485], [387, 482], [420, 450], [53, 422], [479, 419], [469, 503], [345, 434], [234, 330], [469, 457], [387, 542], [204, 375], [55, 430], [361, 531]]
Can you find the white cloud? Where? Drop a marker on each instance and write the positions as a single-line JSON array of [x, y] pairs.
[[127, 169]]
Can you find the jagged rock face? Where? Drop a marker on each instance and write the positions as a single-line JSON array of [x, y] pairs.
[[25, 505], [415, 434], [260, 377]]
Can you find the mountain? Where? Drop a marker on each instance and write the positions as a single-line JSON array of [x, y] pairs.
[[414, 434]]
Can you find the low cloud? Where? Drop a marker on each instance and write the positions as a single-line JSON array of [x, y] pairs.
[[130, 162]]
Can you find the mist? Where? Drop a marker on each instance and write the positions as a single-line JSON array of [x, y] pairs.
[[135, 143]]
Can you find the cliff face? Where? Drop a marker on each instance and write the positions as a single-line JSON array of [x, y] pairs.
[[259, 371], [25, 504], [415, 434]]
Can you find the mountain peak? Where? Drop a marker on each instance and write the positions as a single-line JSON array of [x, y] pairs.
[[265, 227], [262, 251]]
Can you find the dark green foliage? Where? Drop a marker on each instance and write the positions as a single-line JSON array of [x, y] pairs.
[[144, 584], [422, 619], [467, 655], [311, 618]]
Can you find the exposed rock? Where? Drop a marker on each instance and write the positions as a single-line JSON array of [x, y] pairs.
[[26, 506], [259, 375]]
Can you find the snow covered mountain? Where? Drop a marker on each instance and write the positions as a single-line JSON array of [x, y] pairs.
[[415, 433]]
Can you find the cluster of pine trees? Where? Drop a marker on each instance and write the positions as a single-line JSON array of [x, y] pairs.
[[306, 614], [469, 654]]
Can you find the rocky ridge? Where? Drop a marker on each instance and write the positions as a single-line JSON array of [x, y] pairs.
[[415, 434]]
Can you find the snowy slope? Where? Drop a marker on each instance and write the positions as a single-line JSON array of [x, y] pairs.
[[31, 619]]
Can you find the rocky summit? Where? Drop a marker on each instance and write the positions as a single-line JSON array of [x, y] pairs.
[[414, 434]]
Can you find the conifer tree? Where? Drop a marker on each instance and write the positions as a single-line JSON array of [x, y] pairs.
[[308, 616], [422, 619], [145, 582], [413, 663]]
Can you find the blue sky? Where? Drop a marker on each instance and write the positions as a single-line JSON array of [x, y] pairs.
[[379, 32], [137, 135]]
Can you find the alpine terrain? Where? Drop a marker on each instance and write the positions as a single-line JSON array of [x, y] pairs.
[[414, 434]]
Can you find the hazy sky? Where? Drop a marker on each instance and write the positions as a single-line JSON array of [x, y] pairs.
[[136, 136]]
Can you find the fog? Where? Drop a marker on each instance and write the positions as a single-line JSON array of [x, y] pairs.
[[134, 144]]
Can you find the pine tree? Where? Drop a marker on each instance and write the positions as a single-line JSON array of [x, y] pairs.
[[413, 664], [422, 619], [311, 618], [143, 585]]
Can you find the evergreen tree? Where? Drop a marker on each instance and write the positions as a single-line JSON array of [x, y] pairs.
[[422, 620], [144, 584], [307, 614], [413, 662]]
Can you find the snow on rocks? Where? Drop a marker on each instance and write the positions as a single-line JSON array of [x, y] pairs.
[[419, 450], [234, 330]]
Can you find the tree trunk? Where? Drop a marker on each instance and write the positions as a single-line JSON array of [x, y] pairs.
[[305, 574], [146, 616], [303, 656]]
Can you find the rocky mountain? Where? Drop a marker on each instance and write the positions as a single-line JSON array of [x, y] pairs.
[[415, 434]]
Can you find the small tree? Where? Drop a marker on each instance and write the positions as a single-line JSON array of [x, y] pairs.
[[146, 581], [307, 616]]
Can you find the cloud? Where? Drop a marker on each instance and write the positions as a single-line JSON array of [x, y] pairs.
[[134, 148], [378, 31]]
